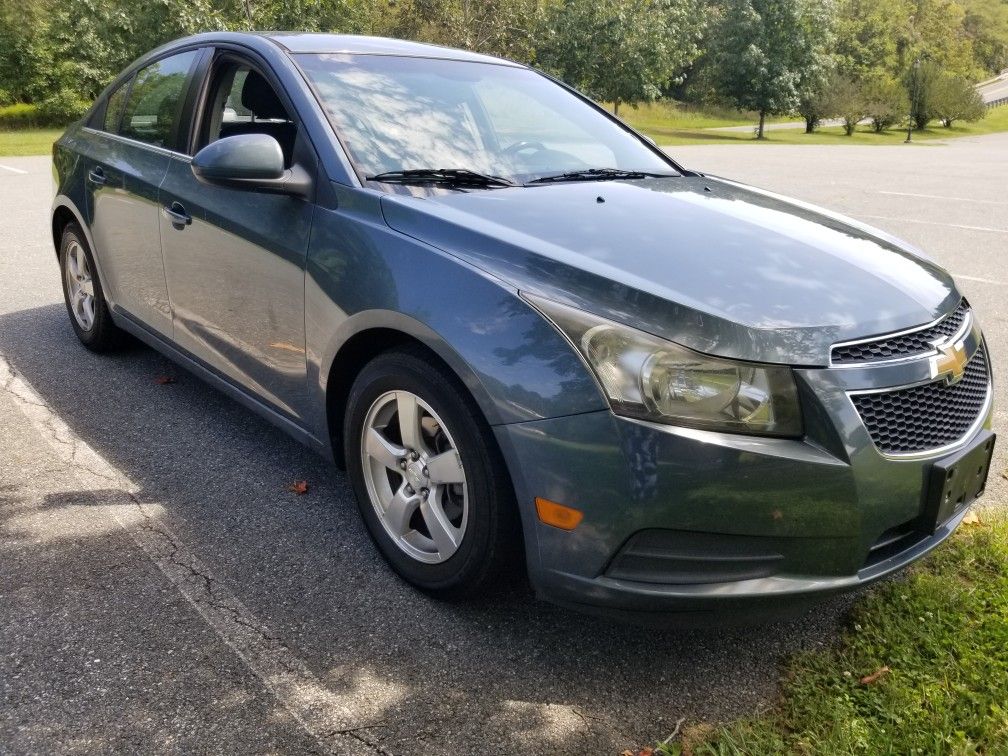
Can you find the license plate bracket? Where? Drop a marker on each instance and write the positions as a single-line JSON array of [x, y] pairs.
[[954, 482]]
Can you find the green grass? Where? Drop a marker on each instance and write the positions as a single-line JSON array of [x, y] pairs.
[[943, 633], [669, 125], [28, 142], [676, 116]]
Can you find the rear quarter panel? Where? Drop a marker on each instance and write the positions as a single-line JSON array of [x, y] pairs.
[[68, 178]]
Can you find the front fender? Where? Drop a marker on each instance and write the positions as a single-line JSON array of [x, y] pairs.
[[363, 275]]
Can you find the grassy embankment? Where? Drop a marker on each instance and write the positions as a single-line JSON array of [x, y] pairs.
[[671, 125], [28, 142], [921, 667]]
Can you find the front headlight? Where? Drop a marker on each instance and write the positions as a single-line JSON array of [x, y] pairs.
[[650, 378]]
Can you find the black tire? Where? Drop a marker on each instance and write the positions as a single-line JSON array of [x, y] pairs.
[[489, 555], [103, 335]]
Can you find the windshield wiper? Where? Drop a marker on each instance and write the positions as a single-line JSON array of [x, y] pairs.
[[451, 176], [600, 174]]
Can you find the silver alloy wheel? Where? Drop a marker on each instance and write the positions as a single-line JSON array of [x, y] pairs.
[[414, 476], [80, 285]]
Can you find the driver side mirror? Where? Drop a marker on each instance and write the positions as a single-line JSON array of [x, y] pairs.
[[249, 161]]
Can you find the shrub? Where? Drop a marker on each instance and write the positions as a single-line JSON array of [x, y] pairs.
[[921, 82], [816, 103], [62, 108], [55, 111], [20, 116], [956, 99], [846, 101], [885, 102]]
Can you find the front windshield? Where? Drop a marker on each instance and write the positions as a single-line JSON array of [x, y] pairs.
[[397, 113]]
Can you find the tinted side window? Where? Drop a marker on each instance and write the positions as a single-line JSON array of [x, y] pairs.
[[114, 106], [156, 99]]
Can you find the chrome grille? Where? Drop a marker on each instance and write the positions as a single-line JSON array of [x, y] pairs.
[[904, 345], [926, 417]]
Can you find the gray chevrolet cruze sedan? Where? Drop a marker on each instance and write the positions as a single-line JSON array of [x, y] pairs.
[[535, 342]]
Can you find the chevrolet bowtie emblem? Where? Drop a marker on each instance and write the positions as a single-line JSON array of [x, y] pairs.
[[950, 362]]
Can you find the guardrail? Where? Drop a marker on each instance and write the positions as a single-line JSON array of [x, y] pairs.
[[996, 103]]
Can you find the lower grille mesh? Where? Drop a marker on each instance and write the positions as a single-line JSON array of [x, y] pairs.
[[926, 417]]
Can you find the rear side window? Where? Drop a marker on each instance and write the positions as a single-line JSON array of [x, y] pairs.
[[114, 107], [155, 100]]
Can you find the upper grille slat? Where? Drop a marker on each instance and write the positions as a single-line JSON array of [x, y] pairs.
[[903, 345], [927, 417]]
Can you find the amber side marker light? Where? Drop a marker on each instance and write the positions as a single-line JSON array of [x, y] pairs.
[[557, 515]]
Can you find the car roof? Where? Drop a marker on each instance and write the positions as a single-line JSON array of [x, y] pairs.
[[300, 42]]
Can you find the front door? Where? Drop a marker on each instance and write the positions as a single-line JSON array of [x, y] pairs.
[[235, 259]]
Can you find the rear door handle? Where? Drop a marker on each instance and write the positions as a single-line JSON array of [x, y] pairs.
[[177, 214], [96, 176]]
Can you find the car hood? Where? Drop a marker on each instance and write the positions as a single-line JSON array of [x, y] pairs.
[[717, 266]]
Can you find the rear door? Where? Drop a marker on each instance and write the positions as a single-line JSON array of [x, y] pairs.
[[235, 259], [126, 162]]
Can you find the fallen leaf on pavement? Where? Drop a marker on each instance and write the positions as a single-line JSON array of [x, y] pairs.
[[875, 676], [646, 752], [971, 518], [627, 752], [299, 487], [164, 380]]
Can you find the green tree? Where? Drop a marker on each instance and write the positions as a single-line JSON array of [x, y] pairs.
[[956, 99], [870, 35], [963, 36], [763, 51], [813, 87], [937, 32], [815, 102], [885, 101], [24, 51], [847, 101], [921, 84], [496, 27], [986, 24], [621, 51]]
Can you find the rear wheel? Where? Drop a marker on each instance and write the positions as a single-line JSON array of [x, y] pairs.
[[430, 482], [85, 300]]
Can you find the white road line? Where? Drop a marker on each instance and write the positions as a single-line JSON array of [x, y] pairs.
[[333, 720], [937, 223], [943, 197], [13, 170], [981, 280]]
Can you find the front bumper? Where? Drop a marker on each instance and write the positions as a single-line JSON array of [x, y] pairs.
[[688, 522]]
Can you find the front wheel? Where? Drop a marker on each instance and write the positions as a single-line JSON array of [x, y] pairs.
[[429, 480]]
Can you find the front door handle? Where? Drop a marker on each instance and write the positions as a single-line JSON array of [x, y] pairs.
[[176, 213], [96, 176]]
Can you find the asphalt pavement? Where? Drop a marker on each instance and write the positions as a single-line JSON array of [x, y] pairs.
[[994, 89], [161, 591]]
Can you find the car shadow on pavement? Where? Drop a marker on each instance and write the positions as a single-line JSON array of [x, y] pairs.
[[497, 676]]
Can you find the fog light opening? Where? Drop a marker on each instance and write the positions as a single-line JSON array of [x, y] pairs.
[[557, 515]]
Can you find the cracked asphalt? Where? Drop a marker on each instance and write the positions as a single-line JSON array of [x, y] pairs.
[[162, 592]]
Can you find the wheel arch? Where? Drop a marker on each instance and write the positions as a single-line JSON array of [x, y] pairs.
[[373, 334], [64, 213]]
